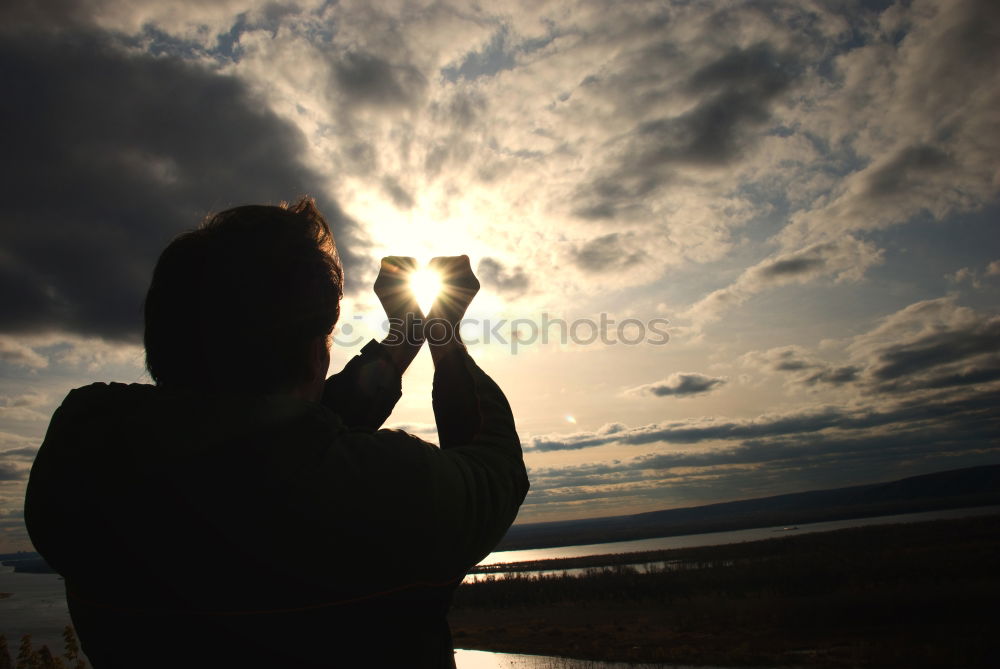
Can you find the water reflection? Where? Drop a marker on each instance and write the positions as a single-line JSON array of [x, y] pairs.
[[642, 567], [478, 659]]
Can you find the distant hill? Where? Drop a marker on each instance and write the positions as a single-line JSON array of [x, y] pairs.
[[974, 486]]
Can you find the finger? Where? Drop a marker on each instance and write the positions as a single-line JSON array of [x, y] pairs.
[[397, 264], [405, 263], [450, 266]]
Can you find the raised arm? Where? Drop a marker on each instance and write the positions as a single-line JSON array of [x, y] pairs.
[[405, 316], [481, 489], [367, 389], [456, 405]]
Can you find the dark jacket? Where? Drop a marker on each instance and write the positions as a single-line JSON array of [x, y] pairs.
[[228, 530]]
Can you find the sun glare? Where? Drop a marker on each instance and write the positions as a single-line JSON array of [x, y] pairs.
[[426, 284]]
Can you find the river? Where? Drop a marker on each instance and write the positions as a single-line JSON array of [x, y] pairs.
[[720, 538]]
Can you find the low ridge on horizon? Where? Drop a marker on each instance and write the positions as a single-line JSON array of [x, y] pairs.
[[954, 488]]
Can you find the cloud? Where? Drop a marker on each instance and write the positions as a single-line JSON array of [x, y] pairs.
[[16, 353], [675, 477], [730, 99], [963, 275], [38, 351], [680, 384], [911, 167], [27, 400], [25, 453], [903, 123], [607, 253], [678, 128], [941, 409], [149, 147], [736, 91], [495, 57], [930, 344], [11, 472], [399, 196], [367, 79], [921, 97], [906, 359], [842, 260], [507, 282], [804, 368], [974, 277], [16, 444]]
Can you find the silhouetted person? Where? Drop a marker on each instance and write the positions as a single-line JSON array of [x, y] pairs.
[[246, 511]]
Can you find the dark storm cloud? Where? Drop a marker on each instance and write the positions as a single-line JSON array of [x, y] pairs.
[[367, 79], [107, 156], [509, 282], [935, 410], [680, 385]]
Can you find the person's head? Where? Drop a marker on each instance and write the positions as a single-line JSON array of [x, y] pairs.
[[246, 301]]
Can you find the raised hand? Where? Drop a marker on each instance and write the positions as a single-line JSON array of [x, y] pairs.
[[393, 290], [405, 316], [458, 286]]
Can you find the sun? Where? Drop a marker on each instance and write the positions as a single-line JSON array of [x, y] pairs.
[[425, 284]]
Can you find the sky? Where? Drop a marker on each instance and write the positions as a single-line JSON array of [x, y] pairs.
[[728, 249]]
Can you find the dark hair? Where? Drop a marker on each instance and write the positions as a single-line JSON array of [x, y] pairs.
[[234, 302]]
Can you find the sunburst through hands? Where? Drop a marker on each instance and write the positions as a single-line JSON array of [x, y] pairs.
[[426, 285]]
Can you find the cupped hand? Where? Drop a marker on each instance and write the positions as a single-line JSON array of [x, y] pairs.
[[393, 290], [458, 286]]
